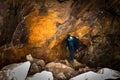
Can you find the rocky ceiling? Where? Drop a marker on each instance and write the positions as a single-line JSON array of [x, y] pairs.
[[39, 27]]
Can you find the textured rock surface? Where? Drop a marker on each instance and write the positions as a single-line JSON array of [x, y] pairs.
[[103, 74], [15, 71], [56, 71], [44, 75], [58, 68], [39, 28], [60, 76]]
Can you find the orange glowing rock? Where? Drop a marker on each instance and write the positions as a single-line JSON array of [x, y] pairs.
[[41, 28], [56, 41], [81, 32]]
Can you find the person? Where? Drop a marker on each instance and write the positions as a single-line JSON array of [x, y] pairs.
[[73, 45]]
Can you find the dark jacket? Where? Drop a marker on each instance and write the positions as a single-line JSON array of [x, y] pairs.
[[72, 43]]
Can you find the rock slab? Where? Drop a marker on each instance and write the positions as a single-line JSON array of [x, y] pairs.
[[15, 71], [44, 75], [102, 74]]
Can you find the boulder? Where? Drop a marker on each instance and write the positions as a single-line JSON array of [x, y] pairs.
[[60, 76], [29, 57], [65, 62], [77, 65], [109, 73], [37, 64], [102, 74], [86, 69], [57, 68], [15, 71], [88, 76], [34, 69], [41, 63], [44, 75]]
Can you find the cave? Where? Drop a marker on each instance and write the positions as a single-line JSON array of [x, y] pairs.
[[40, 28]]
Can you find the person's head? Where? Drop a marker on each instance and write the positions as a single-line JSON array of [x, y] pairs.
[[61, 1], [68, 35]]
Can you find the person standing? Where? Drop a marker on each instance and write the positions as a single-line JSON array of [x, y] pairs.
[[73, 45]]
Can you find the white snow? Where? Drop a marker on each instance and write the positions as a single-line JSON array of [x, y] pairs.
[[102, 74], [44, 75]]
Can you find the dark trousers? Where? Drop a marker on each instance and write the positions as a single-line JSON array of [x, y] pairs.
[[71, 54]]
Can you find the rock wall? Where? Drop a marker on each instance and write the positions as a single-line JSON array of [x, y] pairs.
[[40, 27]]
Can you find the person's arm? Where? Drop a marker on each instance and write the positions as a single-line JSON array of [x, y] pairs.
[[76, 43]]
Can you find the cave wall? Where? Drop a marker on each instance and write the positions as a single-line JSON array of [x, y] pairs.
[[40, 27]]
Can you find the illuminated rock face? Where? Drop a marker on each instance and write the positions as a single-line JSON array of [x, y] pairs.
[[41, 28], [46, 35]]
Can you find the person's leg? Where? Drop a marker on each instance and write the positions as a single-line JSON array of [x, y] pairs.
[[71, 56]]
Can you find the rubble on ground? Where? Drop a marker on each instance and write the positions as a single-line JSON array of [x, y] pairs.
[[36, 69]]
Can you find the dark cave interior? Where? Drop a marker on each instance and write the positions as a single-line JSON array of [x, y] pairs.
[[39, 28]]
